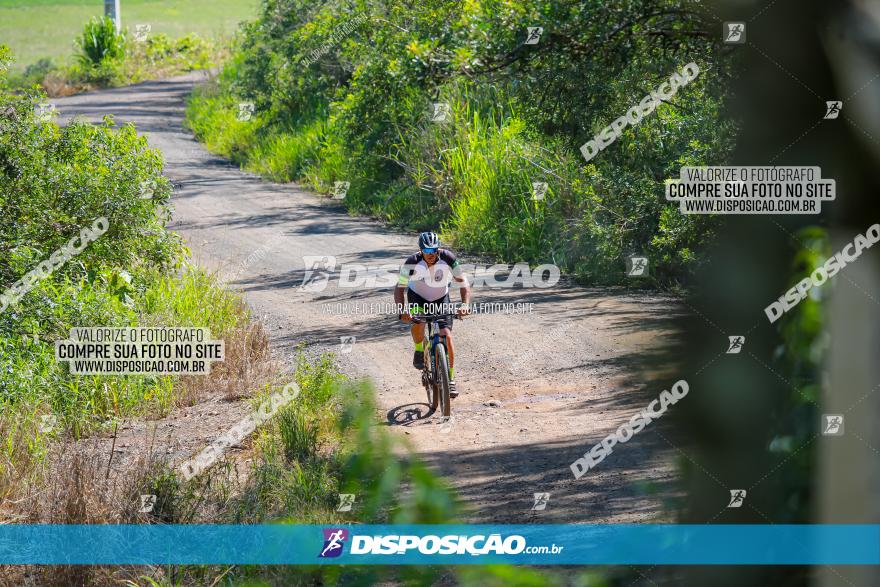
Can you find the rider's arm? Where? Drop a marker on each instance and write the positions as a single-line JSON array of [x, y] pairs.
[[464, 289], [465, 292], [398, 295], [459, 277], [402, 283]]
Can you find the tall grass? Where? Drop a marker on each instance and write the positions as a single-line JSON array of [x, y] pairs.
[[192, 297], [100, 42], [480, 167], [34, 385], [216, 122], [288, 156], [326, 442], [473, 175], [361, 114]]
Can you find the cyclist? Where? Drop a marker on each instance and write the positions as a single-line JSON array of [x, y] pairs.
[[425, 276]]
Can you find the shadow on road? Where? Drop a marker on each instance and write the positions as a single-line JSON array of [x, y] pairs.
[[409, 413]]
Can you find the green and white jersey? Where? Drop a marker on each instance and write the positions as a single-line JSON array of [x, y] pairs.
[[430, 283]]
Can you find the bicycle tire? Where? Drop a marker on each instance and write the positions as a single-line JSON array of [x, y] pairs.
[[428, 378], [433, 396], [442, 367]]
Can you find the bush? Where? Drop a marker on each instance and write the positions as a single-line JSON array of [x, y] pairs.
[[55, 181], [340, 100], [100, 42], [110, 59]]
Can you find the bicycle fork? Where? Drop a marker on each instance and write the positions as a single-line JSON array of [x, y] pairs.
[[431, 343], [438, 338]]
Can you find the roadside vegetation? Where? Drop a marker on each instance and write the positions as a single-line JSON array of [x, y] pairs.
[[41, 34], [107, 58], [324, 443], [335, 102], [55, 180]]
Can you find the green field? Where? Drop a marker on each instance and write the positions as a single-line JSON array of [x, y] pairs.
[[34, 29]]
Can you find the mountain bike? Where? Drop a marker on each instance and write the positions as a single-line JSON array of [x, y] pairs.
[[435, 373]]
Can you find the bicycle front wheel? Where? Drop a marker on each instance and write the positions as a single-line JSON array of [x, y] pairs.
[[431, 387], [442, 366]]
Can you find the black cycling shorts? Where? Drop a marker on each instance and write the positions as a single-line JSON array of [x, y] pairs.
[[414, 298]]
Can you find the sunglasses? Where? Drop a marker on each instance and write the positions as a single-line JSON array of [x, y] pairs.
[[429, 251]]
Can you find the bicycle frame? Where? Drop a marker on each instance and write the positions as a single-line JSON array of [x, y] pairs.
[[431, 338]]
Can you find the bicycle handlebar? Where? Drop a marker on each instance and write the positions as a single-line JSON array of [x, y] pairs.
[[432, 317]]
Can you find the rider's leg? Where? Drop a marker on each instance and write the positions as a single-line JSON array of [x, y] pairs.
[[418, 335], [451, 350]]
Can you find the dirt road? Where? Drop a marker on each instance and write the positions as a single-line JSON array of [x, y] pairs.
[[538, 389]]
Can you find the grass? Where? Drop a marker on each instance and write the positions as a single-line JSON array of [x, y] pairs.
[[478, 169], [85, 403], [36, 29], [326, 442]]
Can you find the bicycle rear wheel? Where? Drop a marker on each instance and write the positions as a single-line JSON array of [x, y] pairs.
[[442, 367]]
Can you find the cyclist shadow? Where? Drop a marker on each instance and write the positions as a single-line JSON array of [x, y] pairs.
[[408, 413]]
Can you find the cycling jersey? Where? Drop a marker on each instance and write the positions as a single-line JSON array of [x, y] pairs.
[[429, 283], [414, 299]]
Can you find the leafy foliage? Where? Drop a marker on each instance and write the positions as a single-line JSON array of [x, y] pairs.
[[100, 42], [54, 182], [108, 58], [344, 93]]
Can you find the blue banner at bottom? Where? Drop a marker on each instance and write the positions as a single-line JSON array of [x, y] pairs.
[[572, 544]]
